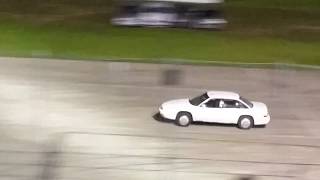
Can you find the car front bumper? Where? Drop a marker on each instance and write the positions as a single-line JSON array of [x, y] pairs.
[[166, 114], [263, 121]]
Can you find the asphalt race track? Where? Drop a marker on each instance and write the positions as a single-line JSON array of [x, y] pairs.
[[88, 120]]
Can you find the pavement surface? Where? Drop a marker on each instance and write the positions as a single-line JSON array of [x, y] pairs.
[[64, 120]]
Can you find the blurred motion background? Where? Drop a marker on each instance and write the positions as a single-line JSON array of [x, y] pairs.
[[95, 117], [281, 31]]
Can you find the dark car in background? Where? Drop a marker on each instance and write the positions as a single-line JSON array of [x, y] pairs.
[[170, 13]]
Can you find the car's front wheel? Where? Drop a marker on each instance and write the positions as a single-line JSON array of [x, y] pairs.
[[245, 122], [183, 119]]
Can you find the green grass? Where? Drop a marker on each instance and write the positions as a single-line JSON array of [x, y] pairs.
[[277, 4], [280, 31]]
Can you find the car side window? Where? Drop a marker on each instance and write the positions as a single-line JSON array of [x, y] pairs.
[[240, 105], [213, 103], [233, 104]]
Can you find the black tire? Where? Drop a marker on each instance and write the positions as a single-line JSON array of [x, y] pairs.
[[183, 119], [245, 122]]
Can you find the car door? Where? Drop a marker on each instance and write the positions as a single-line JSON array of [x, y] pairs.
[[232, 110], [211, 112]]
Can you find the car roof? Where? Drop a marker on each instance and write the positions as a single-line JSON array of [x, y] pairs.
[[223, 94]]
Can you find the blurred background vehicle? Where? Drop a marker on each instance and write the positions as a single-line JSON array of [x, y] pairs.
[[207, 18], [157, 14], [170, 13], [126, 15]]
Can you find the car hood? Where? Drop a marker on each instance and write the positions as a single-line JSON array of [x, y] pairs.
[[260, 107], [176, 102]]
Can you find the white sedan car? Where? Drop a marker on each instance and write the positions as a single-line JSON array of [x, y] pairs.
[[216, 107]]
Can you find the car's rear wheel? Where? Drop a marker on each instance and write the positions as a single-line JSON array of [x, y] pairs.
[[183, 119], [245, 122]]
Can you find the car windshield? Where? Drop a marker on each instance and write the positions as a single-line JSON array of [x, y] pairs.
[[199, 99], [246, 101]]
